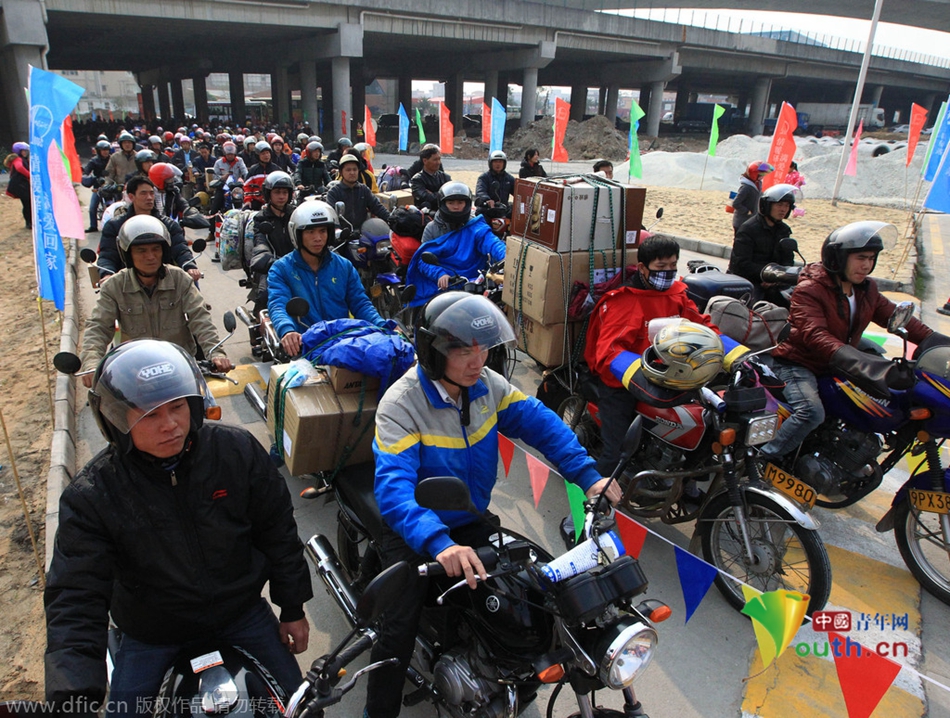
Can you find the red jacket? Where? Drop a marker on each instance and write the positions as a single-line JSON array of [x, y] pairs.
[[820, 317], [619, 323]]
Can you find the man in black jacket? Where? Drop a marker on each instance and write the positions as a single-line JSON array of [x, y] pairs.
[[173, 529], [427, 183], [359, 201], [271, 238], [311, 170], [92, 173]]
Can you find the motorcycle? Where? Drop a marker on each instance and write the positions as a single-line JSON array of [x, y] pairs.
[[743, 526], [109, 193], [91, 258]]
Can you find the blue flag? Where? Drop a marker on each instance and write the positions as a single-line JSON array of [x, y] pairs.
[[939, 140], [696, 576], [52, 98], [938, 198], [403, 129], [498, 119]]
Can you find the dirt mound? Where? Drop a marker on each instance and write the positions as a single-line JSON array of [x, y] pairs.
[[592, 139]]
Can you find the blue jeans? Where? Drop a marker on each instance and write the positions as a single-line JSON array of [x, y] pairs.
[[140, 667], [801, 393], [94, 209]]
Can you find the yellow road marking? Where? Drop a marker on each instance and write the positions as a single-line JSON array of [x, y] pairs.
[[936, 239]]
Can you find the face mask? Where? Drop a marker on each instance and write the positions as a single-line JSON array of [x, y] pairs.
[[662, 279]]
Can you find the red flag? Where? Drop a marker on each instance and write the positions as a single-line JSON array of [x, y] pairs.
[[69, 147], [783, 146], [864, 675], [562, 112], [446, 131], [632, 534], [111, 118], [918, 116], [538, 471], [486, 124], [852, 169], [346, 129], [507, 449], [368, 130]]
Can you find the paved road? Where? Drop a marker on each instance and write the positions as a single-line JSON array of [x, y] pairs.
[[701, 666]]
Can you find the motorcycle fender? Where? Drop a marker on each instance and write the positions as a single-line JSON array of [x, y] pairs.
[[387, 278], [801, 518], [919, 480]]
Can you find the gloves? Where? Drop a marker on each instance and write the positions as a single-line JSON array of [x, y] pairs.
[[874, 374]]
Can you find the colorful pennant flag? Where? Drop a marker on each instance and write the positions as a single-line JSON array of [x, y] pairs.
[[575, 499], [346, 127], [422, 134], [499, 116], [368, 130], [782, 149], [632, 534], [918, 117], [69, 150], [776, 617], [486, 124], [852, 168], [863, 675], [506, 448], [446, 130], [718, 112], [562, 113], [927, 170], [636, 165], [938, 197], [696, 576], [403, 129], [539, 472]]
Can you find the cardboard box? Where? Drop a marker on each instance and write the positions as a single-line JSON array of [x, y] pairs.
[[559, 214], [538, 289], [396, 198], [318, 425], [345, 381], [545, 343]]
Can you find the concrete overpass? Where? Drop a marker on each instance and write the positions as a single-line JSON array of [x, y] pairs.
[[340, 46]]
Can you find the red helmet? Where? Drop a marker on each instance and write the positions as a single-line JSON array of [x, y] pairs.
[[161, 172], [758, 168], [169, 136]]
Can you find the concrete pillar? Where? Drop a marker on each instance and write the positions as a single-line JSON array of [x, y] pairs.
[[454, 99], [164, 104], [655, 110], [358, 89], [760, 103], [236, 88], [682, 99], [22, 26], [529, 95], [178, 100], [280, 94], [644, 101], [602, 101], [613, 96], [501, 92], [405, 95], [578, 102], [876, 93], [201, 98], [148, 101], [491, 87], [340, 69], [325, 129], [308, 91]]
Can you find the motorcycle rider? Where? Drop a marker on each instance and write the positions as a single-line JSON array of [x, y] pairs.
[[757, 241], [606, 167], [204, 161], [486, 193], [228, 166], [359, 200], [280, 157], [426, 183], [443, 419], [92, 175], [141, 193], [144, 159], [746, 201], [832, 305], [19, 185], [173, 530], [271, 245], [185, 159], [311, 170], [342, 145], [265, 164], [326, 280], [122, 163], [167, 179], [150, 299]]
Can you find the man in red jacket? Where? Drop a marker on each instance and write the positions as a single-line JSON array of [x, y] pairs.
[[833, 303]]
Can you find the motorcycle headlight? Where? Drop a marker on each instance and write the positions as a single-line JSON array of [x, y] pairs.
[[625, 649], [761, 429]]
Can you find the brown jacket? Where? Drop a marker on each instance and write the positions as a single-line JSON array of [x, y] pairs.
[[820, 317]]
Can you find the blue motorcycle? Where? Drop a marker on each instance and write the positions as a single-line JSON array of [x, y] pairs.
[[369, 250]]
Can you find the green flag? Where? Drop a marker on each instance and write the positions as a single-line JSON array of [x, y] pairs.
[[575, 499], [636, 167], [718, 112], [930, 145], [422, 134]]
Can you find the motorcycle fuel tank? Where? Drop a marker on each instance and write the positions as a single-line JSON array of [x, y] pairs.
[[861, 411], [682, 426]]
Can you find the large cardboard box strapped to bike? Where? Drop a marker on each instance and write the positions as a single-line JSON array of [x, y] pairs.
[[536, 278], [396, 198], [545, 343], [559, 214], [318, 423]]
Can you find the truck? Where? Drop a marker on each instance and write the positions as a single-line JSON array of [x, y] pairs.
[[697, 117], [822, 116]]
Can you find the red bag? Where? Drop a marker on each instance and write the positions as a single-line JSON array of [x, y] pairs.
[[403, 248]]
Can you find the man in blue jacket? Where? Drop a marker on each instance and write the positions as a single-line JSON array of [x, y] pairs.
[[443, 419], [328, 282]]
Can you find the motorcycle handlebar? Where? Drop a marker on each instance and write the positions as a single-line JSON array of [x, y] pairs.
[[348, 654], [486, 554], [779, 274]]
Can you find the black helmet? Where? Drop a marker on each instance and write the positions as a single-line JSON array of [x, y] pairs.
[[103, 145], [498, 155], [855, 237], [779, 193], [143, 375], [310, 214], [344, 142], [455, 190], [143, 156], [458, 319], [126, 136], [275, 180], [314, 147]]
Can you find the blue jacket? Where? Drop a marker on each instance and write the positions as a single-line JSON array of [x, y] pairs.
[[462, 252], [419, 435], [334, 292]]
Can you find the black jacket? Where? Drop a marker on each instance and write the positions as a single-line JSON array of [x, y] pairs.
[[268, 248], [262, 169], [531, 171], [484, 190], [425, 189], [755, 245], [110, 261], [360, 203], [96, 167], [310, 173], [172, 560], [285, 162]]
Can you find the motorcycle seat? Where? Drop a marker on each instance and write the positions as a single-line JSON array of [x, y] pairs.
[[355, 484]]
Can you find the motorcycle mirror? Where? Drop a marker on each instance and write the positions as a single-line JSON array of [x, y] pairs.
[[631, 441], [198, 246], [408, 294], [495, 186], [659, 213], [340, 208], [193, 219], [789, 244], [430, 258], [382, 592], [88, 255], [784, 332], [902, 314], [194, 202], [298, 307], [67, 362], [444, 493], [230, 323]]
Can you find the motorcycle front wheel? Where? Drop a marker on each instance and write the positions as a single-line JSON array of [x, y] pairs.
[[787, 555], [923, 547], [573, 412]]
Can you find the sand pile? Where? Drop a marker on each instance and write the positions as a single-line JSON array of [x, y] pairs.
[[592, 139]]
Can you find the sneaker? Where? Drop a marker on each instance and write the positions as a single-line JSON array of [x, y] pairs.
[[90, 230]]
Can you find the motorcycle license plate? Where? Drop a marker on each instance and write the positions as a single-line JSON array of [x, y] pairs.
[[795, 489], [935, 502]]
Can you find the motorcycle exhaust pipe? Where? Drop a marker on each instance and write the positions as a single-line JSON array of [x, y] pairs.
[[245, 317], [330, 570], [254, 398]]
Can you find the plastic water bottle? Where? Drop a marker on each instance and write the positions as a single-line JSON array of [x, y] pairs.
[[584, 557]]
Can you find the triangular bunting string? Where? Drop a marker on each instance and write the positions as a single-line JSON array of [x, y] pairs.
[[632, 534], [538, 471], [863, 675], [507, 450], [575, 499], [696, 576]]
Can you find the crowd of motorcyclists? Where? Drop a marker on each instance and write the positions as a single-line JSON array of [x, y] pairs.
[[162, 476]]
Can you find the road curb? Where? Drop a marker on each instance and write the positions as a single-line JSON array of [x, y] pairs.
[[62, 459]]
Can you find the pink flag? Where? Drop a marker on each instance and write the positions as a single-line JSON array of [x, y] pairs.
[[66, 207], [632, 534], [446, 131], [852, 169], [486, 124], [507, 449], [368, 130], [918, 116], [562, 113], [538, 471]]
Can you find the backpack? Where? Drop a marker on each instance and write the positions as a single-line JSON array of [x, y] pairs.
[[756, 328], [393, 178], [407, 222], [233, 238]]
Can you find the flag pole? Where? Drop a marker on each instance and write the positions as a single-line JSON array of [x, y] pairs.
[[49, 390], [26, 512], [703, 177]]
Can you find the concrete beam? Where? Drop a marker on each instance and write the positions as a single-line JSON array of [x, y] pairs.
[[536, 57]]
